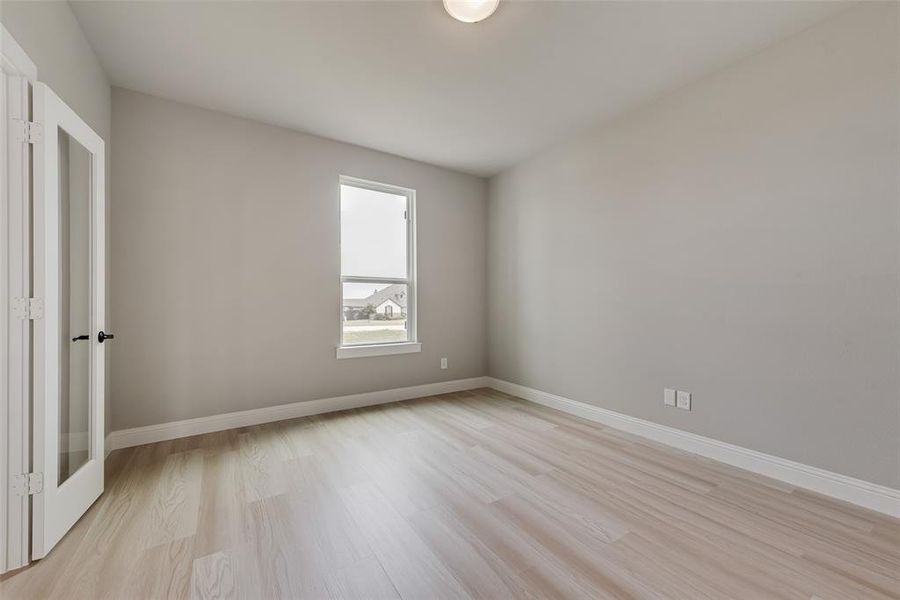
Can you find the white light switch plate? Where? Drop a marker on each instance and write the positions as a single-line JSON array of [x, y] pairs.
[[669, 397], [443, 363], [683, 400]]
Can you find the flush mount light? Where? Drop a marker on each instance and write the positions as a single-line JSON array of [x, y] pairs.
[[471, 11]]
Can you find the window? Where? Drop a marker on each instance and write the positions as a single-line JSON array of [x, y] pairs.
[[378, 309]]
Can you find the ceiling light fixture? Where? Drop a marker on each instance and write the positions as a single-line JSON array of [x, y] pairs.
[[471, 11]]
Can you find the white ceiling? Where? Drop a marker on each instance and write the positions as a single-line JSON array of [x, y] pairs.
[[405, 78]]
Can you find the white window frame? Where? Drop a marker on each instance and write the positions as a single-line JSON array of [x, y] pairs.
[[412, 343]]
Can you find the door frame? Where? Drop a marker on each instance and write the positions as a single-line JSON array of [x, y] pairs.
[[19, 75]]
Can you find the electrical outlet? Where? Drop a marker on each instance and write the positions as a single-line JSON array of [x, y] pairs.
[[683, 400], [669, 397], [444, 363]]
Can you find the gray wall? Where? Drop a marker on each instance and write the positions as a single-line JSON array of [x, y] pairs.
[[225, 264], [52, 38], [738, 239]]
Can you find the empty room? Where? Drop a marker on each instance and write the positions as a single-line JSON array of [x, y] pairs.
[[439, 299]]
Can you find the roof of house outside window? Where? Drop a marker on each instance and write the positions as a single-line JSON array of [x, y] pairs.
[[395, 292]]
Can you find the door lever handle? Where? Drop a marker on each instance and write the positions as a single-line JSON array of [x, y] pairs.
[[102, 337], [81, 337]]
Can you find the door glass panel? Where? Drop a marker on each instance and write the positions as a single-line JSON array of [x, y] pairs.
[[75, 305]]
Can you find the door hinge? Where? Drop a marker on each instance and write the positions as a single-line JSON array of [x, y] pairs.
[[28, 131], [28, 484], [28, 308]]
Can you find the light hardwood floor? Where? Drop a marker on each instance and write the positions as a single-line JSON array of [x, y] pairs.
[[474, 494]]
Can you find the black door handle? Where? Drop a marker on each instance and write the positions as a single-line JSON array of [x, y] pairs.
[[81, 337], [102, 337]]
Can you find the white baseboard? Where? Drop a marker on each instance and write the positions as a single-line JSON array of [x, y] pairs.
[[862, 493], [125, 438]]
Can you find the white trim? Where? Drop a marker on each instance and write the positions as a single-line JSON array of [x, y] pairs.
[[856, 491], [137, 436], [375, 186], [378, 350]]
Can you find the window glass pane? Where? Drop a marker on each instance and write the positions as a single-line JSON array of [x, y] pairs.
[[373, 233], [75, 305], [374, 313]]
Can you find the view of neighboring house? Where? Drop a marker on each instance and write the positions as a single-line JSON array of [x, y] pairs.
[[389, 303]]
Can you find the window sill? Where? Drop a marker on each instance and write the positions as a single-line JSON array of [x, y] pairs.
[[378, 350]]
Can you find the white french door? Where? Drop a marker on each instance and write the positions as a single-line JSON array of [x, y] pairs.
[[69, 279], [17, 75]]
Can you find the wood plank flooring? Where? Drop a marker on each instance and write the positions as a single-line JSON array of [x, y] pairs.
[[468, 495]]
